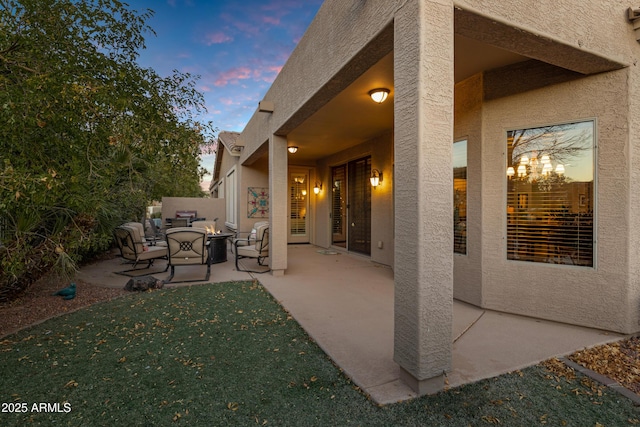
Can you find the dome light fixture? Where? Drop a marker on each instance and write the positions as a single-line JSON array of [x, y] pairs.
[[292, 149], [379, 95]]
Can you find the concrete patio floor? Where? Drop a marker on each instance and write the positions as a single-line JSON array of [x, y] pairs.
[[345, 303]]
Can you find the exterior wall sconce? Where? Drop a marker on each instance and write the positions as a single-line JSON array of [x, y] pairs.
[[376, 178], [317, 188], [292, 149], [379, 95]]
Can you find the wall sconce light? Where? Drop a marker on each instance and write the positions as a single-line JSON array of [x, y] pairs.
[[379, 95], [292, 149], [376, 178], [317, 188]]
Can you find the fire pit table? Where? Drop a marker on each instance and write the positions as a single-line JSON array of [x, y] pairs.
[[218, 247]]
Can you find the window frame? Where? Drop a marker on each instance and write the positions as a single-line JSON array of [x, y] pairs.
[[594, 165], [466, 198], [231, 198]]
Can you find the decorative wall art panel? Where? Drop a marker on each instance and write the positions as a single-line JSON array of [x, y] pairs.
[[257, 202]]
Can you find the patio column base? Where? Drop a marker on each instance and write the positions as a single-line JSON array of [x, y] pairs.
[[431, 385], [277, 273]]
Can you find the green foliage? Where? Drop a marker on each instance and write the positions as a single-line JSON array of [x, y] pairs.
[[227, 354], [89, 137]]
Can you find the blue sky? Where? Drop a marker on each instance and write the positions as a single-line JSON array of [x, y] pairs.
[[236, 47]]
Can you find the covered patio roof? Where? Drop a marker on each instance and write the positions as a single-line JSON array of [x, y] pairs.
[[341, 115]]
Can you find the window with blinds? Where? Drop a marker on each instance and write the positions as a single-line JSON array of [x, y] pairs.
[[460, 197], [550, 194]]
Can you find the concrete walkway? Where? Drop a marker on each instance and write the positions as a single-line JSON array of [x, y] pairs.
[[345, 303]]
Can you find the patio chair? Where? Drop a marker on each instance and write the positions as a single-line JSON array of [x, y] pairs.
[[157, 232], [179, 222], [259, 249], [134, 250], [250, 237], [188, 246], [151, 241]]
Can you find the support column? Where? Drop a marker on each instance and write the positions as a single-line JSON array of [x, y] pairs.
[[278, 167], [423, 93]]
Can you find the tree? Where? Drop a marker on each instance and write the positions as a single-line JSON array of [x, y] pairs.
[[89, 136]]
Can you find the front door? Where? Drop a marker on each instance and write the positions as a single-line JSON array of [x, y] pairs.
[[298, 206], [351, 206]]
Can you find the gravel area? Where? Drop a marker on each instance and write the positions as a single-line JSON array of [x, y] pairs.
[[619, 361]]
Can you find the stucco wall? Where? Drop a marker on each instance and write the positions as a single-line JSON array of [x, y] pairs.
[[206, 207], [467, 272], [594, 25], [585, 296], [255, 176], [633, 298]]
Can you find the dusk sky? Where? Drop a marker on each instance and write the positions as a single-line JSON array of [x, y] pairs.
[[236, 47]]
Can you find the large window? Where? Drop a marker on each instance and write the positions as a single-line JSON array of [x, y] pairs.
[[460, 197], [550, 194]]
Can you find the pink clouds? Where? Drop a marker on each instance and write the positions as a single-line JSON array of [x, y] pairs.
[[233, 76], [217, 38], [262, 72]]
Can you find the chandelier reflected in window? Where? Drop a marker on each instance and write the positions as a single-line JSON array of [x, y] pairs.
[[535, 168]]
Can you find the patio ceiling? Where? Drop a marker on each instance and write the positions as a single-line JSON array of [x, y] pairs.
[[351, 117]]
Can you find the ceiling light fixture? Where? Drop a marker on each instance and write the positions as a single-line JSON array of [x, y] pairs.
[[379, 95], [292, 149]]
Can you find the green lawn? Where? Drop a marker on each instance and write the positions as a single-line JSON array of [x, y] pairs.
[[228, 354]]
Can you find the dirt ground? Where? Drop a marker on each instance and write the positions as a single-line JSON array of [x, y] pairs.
[[38, 304]]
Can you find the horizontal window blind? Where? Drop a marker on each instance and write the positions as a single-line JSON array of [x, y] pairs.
[[550, 194], [460, 197]]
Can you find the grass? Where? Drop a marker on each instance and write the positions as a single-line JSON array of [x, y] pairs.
[[228, 354]]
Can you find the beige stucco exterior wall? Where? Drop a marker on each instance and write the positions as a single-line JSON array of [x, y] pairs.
[[423, 123], [381, 151], [607, 296], [586, 296], [257, 175], [467, 276], [206, 207], [592, 25]]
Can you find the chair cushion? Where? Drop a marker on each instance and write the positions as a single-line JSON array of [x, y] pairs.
[[153, 252]]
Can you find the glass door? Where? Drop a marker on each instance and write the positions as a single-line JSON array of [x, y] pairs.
[[359, 206], [351, 206], [298, 206], [339, 206]]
